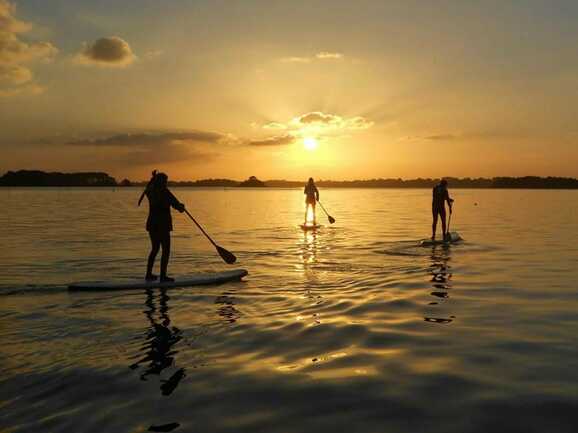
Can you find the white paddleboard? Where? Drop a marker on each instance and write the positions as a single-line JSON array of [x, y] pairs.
[[309, 227], [453, 238], [184, 281]]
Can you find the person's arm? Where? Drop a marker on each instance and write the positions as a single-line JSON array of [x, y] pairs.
[[149, 184], [305, 190], [175, 203], [316, 194]]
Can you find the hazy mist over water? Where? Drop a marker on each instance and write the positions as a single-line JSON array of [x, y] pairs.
[[354, 327]]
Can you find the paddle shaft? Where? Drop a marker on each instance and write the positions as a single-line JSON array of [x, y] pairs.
[[322, 208], [200, 228]]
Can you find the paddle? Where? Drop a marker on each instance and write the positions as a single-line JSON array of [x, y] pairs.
[[148, 184], [329, 217], [448, 236], [227, 256]]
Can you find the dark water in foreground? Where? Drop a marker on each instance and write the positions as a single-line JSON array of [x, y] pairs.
[[352, 328]]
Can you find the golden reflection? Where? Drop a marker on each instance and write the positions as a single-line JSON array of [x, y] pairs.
[[309, 248], [440, 277]]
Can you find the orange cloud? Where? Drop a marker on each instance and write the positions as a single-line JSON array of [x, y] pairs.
[[15, 77]]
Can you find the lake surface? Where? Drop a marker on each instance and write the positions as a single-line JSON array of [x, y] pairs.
[[351, 328]]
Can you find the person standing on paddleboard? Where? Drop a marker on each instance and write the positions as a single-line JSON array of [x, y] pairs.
[[160, 224], [440, 196], [311, 197]]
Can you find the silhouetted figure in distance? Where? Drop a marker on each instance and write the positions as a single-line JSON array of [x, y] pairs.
[[311, 197], [440, 196], [160, 224]]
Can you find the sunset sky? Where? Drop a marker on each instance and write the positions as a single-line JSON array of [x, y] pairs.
[[290, 89]]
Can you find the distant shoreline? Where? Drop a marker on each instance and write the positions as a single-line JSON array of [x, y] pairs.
[[37, 178]]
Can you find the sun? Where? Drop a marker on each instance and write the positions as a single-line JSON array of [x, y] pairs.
[[310, 143]]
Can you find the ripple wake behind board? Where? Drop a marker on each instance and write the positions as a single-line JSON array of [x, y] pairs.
[[185, 281], [452, 239]]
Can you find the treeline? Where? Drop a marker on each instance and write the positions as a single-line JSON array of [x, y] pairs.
[[527, 182], [41, 178]]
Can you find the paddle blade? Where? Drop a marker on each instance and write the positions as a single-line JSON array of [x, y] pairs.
[[331, 219], [227, 256]]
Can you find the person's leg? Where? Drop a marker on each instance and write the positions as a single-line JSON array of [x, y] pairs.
[[306, 209], [443, 218], [166, 245], [314, 214], [155, 245], [434, 223]]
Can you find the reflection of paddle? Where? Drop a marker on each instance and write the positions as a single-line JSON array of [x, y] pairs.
[[331, 219], [148, 184], [227, 256]]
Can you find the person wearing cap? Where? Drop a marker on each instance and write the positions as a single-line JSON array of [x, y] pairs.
[[440, 197]]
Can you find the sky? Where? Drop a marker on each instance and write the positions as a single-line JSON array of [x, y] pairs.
[[290, 89]]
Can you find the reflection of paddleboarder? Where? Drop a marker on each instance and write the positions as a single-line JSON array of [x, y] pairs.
[[160, 348], [159, 223], [311, 197], [440, 196]]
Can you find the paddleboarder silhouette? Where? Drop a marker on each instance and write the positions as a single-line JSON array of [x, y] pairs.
[[440, 197], [311, 197], [159, 223]]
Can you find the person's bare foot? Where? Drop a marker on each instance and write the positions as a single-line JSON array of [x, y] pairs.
[[151, 277], [166, 279]]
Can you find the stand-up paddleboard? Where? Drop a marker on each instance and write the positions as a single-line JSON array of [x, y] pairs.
[[185, 281], [451, 239], [309, 226]]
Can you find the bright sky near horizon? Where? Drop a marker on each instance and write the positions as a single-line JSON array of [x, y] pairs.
[[290, 89]]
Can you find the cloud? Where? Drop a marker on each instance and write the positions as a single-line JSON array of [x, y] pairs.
[[274, 125], [317, 117], [109, 52], [313, 124], [279, 140], [295, 59], [152, 139], [324, 55], [14, 74], [441, 137], [330, 121], [15, 77], [150, 148]]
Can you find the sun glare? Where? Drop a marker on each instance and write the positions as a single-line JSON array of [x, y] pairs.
[[310, 143]]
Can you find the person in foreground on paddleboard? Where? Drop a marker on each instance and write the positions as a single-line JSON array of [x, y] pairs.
[[440, 196], [160, 224], [311, 197]]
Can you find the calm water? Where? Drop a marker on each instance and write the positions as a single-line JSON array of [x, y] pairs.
[[354, 328]]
